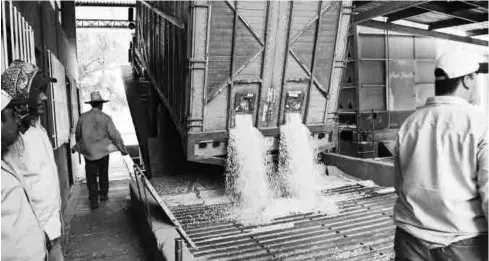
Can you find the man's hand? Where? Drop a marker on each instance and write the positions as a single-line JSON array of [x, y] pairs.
[[73, 151], [124, 153]]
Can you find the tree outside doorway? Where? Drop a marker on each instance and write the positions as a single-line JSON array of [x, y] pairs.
[[101, 53]]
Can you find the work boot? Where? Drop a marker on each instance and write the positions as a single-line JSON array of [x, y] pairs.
[[104, 197], [93, 205]]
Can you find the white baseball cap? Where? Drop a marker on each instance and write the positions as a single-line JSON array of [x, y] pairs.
[[6, 98], [459, 63]]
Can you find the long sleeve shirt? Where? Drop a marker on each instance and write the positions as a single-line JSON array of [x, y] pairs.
[[97, 136], [22, 235], [441, 172], [33, 157]]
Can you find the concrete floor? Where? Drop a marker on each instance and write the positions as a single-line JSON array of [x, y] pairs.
[[107, 233]]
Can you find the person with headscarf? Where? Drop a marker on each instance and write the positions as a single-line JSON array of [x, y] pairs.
[[32, 153], [22, 235]]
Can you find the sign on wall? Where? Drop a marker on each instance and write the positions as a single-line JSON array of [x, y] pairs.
[[59, 103]]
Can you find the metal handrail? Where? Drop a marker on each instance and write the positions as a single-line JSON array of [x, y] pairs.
[[142, 182]]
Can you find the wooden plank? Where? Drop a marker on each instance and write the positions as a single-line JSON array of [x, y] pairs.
[[14, 29], [28, 42], [281, 110], [270, 42], [292, 53], [416, 31], [279, 62], [163, 98], [235, 8], [33, 46], [457, 22], [5, 56], [23, 38], [20, 32], [477, 32], [384, 9], [446, 10], [200, 30], [478, 4], [340, 50], [229, 117], [313, 66], [164, 15], [406, 13]]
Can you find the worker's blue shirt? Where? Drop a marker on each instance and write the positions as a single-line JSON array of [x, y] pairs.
[[441, 172]]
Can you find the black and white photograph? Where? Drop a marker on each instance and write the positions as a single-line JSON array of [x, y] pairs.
[[244, 130]]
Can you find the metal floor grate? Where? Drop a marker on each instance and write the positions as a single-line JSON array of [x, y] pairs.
[[364, 230]]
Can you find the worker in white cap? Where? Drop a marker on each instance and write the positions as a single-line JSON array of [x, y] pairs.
[[22, 235], [441, 169]]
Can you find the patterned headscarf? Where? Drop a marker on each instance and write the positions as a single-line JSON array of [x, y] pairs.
[[22, 81], [17, 80]]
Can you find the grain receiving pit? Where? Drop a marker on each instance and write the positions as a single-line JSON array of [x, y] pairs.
[[363, 230]]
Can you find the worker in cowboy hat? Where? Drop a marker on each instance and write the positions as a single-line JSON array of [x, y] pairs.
[[96, 137], [23, 236], [441, 169]]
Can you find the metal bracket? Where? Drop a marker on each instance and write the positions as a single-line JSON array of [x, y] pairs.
[[293, 101], [244, 103]]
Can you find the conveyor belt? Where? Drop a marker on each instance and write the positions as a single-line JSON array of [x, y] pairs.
[[363, 230]]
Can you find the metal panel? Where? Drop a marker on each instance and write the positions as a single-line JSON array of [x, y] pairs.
[[401, 81], [425, 71], [423, 91], [347, 100], [424, 48], [401, 47], [371, 72], [372, 46], [372, 98], [397, 118]]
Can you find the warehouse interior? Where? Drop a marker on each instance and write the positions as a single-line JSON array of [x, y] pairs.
[[353, 71]]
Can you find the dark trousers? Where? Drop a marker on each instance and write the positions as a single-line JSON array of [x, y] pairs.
[[100, 168], [409, 248]]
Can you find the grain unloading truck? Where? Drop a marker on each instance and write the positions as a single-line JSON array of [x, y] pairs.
[[207, 60]]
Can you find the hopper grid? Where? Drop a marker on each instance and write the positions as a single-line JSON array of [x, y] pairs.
[[362, 230]]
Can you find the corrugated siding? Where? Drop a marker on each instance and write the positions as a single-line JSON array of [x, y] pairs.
[[163, 47]]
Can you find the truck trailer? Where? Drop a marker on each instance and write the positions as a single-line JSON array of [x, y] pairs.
[[206, 60]]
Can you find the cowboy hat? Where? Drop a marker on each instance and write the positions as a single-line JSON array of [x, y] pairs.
[[96, 97]]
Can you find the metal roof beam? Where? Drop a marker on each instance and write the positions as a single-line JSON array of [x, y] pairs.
[[102, 23], [477, 32], [384, 9], [410, 12], [103, 4], [360, 3], [478, 4], [458, 21], [416, 31]]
